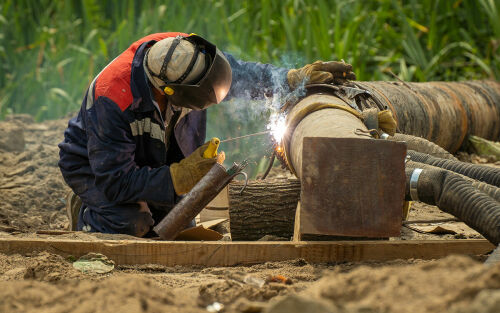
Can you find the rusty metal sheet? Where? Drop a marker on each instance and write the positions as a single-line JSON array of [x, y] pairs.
[[352, 187]]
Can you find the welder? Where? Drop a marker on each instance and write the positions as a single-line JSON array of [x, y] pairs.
[[136, 145]]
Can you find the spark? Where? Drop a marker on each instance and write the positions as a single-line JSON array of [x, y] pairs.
[[277, 126]]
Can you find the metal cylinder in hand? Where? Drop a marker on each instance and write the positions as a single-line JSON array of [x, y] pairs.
[[193, 202]]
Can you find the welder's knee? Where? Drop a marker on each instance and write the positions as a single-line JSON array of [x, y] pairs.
[[140, 225], [130, 219]]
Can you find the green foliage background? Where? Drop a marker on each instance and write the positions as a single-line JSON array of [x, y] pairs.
[[51, 50]]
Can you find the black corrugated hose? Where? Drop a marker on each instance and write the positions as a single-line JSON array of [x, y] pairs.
[[422, 145], [492, 191], [455, 195], [487, 174]]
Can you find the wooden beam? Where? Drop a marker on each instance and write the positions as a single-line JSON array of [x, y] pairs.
[[220, 201], [296, 227], [208, 214], [346, 191], [220, 253]]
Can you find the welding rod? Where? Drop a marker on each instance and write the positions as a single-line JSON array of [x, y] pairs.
[[250, 135]]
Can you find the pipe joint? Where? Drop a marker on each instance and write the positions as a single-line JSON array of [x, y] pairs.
[[384, 136], [414, 183]]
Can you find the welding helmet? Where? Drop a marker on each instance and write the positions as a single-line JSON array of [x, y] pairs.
[[189, 70]]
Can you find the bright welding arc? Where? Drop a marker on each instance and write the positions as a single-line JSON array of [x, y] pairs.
[[277, 127]]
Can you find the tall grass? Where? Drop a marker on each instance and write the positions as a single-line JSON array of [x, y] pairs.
[[50, 50]]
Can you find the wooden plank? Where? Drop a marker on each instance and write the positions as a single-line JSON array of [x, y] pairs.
[[210, 215], [53, 232], [352, 187], [296, 227], [221, 200], [212, 223], [199, 233], [221, 253]]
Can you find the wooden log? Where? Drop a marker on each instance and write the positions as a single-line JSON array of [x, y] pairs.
[[266, 207], [220, 253]]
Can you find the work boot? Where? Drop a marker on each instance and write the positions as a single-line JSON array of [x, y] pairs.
[[73, 205]]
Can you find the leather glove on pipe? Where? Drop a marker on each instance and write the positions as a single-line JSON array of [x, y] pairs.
[[190, 170], [320, 73]]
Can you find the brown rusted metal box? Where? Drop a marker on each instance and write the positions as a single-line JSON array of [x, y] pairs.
[[352, 187]]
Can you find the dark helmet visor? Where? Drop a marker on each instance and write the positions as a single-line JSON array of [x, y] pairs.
[[212, 88]]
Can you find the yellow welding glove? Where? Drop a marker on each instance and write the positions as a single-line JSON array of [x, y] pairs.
[[190, 170], [321, 73]]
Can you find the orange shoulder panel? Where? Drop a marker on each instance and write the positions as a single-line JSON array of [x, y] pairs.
[[114, 81]]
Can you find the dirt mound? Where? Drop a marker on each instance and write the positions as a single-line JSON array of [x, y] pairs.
[[43, 266], [228, 291], [115, 294], [31, 186], [255, 283], [453, 284]]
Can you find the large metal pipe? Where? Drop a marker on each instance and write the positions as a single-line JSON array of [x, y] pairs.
[[442, 112], [307, 121]]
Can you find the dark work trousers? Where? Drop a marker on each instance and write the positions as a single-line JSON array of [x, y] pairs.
[[128, 218]]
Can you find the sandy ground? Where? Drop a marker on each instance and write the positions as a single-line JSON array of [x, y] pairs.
[[45, 282], [32, 198]]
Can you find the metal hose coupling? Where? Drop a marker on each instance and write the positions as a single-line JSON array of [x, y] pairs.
[[414, 182]]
